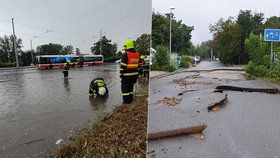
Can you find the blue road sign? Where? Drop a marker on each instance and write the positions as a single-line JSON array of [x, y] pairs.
[[272, 35]]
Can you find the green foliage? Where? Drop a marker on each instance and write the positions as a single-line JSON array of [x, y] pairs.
[[204, 50], [168, 68], [142, 44], [229, 36], [68, 49], [256, 70], [7, 64], [181, 33], [161, 60], [7, 54], [108, 49], [161, 56], [258, 50], [186, 61], [50, 49]]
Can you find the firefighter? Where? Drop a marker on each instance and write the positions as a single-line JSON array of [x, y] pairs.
[[130, 64], [98, 88], [66, 68]]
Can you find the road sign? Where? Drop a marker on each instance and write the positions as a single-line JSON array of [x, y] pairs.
[[272, 35]]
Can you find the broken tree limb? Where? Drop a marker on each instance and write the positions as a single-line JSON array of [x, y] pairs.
[[218, 104], [177, 132], [243, 89], [219, 90], [186, 92]]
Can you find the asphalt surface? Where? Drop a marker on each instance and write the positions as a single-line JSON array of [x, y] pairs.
[[246, 127], [39, 107]]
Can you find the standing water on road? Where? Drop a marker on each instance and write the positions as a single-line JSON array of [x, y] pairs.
[[39, 107]]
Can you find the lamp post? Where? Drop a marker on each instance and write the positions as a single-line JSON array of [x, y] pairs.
[[170, 35]]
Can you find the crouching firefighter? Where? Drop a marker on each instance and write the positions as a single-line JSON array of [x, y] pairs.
[[129, 70], [66, 68], [98, 88]]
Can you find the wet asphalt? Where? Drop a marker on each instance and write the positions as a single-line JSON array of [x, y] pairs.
[[38, 107], [246, 127]]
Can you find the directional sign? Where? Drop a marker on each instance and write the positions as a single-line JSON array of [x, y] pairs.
[[272, 35]]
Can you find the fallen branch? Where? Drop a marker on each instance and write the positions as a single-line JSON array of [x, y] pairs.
[[185, 92], [243, 89], [177, 132], [214, 107], [219, 90]]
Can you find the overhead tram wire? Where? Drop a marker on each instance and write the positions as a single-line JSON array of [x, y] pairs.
[[44, 29], [85, 14]]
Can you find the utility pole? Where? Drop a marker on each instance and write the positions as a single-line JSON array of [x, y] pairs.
[[100, 48], [211, 56], [170, 17], [271, 54], [15, 47], [31, 52]]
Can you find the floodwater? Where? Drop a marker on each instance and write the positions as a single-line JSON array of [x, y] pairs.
[[38, 107]]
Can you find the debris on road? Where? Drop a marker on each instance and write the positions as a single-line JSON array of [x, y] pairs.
[[170, 101], [218, 91], [177, 132], [243, 89], [216, 106], [185, 92], [58, 142], [198, 135], [181, 82], [185, 83]]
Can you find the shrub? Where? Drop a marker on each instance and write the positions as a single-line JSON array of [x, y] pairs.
[[161, 56], [7, 64], [255, 70], [168, 68], [186, 61]]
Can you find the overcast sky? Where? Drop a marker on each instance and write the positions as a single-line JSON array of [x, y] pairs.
[[202, 13], [75, 22]]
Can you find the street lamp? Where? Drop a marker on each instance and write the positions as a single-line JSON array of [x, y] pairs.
[[170, 35]]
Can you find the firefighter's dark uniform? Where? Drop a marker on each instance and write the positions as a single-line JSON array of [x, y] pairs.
[[66, 69], [94, 86], [129, 73]]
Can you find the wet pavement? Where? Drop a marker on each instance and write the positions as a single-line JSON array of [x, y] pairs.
[[38, 107], [246, 127]]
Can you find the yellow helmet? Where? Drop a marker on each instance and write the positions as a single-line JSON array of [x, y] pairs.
[[68, 61], [128, 44]]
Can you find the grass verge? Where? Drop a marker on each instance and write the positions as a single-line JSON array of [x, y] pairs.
[[123, 133]]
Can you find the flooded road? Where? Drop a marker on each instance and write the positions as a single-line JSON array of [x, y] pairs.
[[38, 107]]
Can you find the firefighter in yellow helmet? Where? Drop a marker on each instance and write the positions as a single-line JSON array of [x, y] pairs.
[[66, 68], [130, 63]]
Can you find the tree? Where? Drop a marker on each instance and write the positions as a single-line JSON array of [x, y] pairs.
[[224, 43], [181, 33], [247, 23], [258, 50], [6, 48], [25, 58], [50, 49], [142, 44], [108, 49], [78, 51], [68, 49], [204, 49], [229, 36]]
